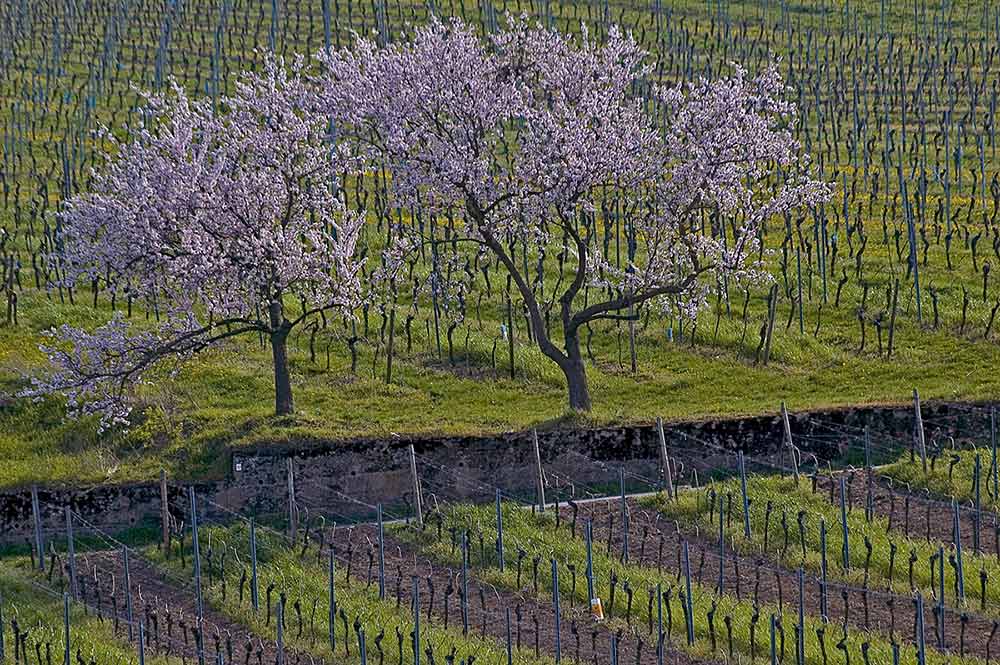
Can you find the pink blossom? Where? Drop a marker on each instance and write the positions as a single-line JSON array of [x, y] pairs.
[[529, 131], [212, 220]]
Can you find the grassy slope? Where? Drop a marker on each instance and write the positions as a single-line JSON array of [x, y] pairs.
[[41, 614], [225, 398]]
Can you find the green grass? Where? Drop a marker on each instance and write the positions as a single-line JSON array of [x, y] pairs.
[[305, 580], [535, 534], [224, 398], [957, 484], [39, 611]]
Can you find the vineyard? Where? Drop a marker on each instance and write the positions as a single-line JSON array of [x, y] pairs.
[[776, 558], [232, 226], [884, 286]]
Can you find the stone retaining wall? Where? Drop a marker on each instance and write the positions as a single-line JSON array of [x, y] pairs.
[[344, 479]]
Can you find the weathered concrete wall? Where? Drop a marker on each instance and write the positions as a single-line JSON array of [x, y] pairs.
[[343, 480]]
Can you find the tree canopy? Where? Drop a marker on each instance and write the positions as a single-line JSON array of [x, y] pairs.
[[221, 217], [528, 133]]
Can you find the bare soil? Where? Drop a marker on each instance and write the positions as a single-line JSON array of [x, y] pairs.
[[764, 580]]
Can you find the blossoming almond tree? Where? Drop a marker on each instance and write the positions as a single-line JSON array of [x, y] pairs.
[[529, 131], [224, 223]]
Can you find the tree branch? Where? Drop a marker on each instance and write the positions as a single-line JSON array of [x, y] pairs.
[[600, 309]]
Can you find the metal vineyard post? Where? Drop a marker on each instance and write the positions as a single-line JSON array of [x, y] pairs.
[[555, 609], [381, 554], [71, 555], [499, 543], [254, 589], [196, 554], [846, 548], [128, 590], [743, 490]]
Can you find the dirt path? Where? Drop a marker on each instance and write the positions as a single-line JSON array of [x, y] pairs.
[[763, 580], [165, 603], [533, 622], [920, 515]]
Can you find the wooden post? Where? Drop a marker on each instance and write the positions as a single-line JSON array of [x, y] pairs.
[[36, 514], [959, 568], [631, 347], [668, 480], [381, 554], [539, 480], [164, 513], [788, 442], [254, 595], [741, 458], [327, 33], [332, 621], [995, 465], [589, 541], [74, 587], [868, 453], [918, 432], [869, 495], [978, 514], [293, 511], [940, 608], [621, 484], [822, 569], [465, 583], [510, 331], [659, 623], [417, 508], [675, 475], [722, 545], [940, 560], [774, 652], [499, 544], [845, 548], [772, 304], [389, 348], [128, 590]]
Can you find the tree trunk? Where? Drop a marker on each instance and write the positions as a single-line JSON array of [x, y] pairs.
[[283, 404], [576, 375], [569, 362]]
